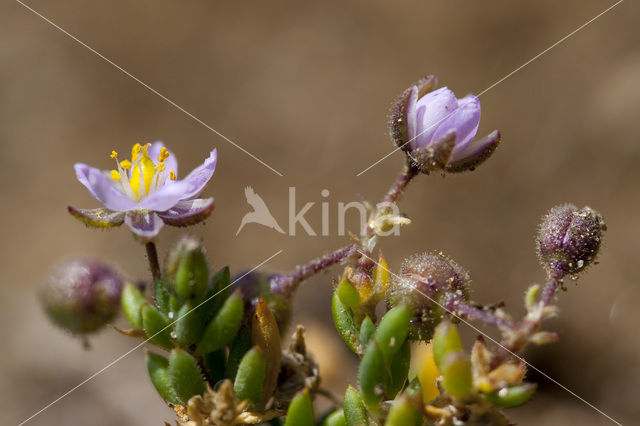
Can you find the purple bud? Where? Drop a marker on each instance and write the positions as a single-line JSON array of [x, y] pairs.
[[82, 295], [421, 284], [569, 239], [437, 130]]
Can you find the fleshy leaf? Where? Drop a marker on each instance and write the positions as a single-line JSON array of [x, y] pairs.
[[249, 381], [224, 326], [300, 412], [355, 412], [132, 301], [185, 375], [156, 325], [158, 367], [345, 324]]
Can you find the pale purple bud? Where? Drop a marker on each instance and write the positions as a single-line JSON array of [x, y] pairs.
[[82, 295], [437, 130]]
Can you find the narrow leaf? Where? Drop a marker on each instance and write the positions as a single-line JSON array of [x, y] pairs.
[[185, 375], [158, 367], [300, 412]]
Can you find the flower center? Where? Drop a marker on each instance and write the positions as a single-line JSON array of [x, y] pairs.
[[141, 176]]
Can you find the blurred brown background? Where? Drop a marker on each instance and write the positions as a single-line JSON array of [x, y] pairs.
[[306, 87]]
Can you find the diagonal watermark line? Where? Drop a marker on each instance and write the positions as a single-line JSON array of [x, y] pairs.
[[498, 82], [88, 379], [151, 89], [533, 367]]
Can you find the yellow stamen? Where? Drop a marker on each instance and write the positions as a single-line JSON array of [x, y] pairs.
[[115, 175], [126, 164], [172, 175], [114, 154], [164, 154], [160, 166]]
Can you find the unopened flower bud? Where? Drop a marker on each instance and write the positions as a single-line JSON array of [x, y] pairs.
[[82, 295], [569, 239], [437, 130], [422, 282], [187, 269]]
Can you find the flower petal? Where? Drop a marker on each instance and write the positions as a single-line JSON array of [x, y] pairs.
[[166, 197], [102, 189], [98, 218], [188, 212], [432, 110], [171, 163], [475, 153], [464, 121], [144, 223]]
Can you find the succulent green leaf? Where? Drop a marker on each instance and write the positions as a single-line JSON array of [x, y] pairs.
[[218, 290], [240, 345], [162, 297], [224, 327], [188, 325], [335, 419], [398, 370], [192, 271], [403, 413], [250, 377], [456, 374], [347, 293], [445, 340], [158, 367], [392, 330], [372, 376], [132, 301], [345, 324], [367, 330], [511, 396], [300, 412], [156, 325], [355, 412], [185, 375]]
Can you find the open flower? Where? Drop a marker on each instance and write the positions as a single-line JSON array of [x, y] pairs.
[[145, 193], [437, 130]]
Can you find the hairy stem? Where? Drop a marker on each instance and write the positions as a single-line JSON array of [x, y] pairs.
[[287, 283], [459, 307], [401, 183], [154, 265]]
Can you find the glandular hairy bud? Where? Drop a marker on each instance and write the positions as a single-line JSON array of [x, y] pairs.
[[187, 269], [421, 284], [436, 129], [569, 239], [82, 295]]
